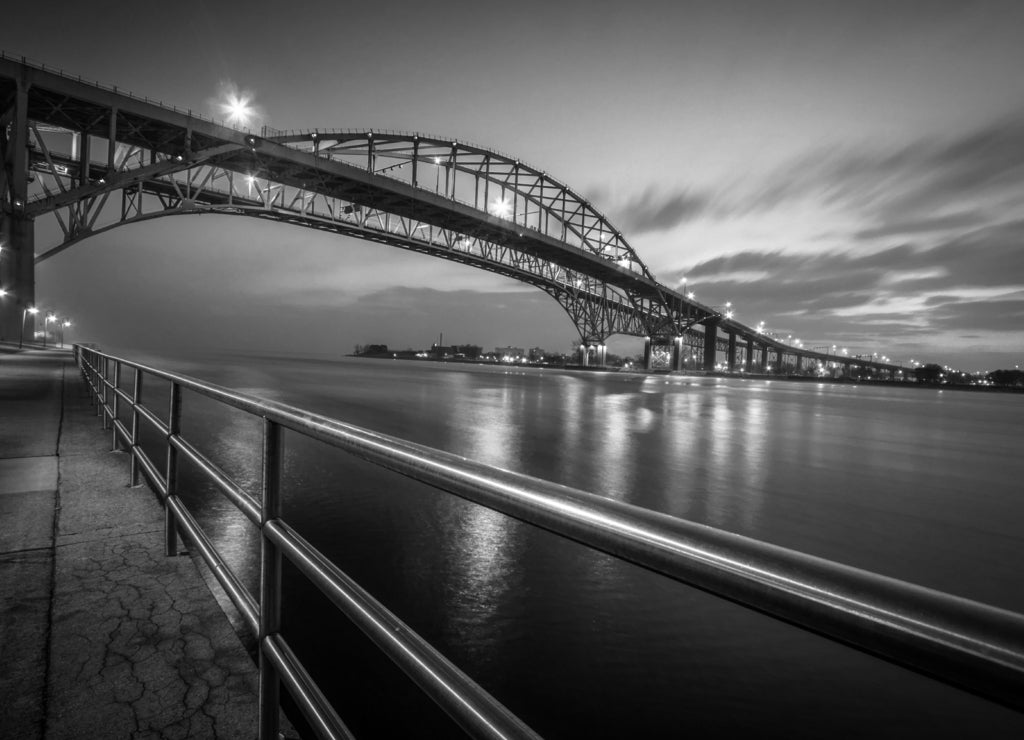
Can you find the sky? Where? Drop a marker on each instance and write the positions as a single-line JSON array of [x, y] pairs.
[[849, 173]]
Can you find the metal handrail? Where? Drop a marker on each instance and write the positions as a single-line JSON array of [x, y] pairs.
[[977, 647]]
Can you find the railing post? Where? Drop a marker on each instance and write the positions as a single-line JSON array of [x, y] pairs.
[[171, 473], [270, 581], [133, 470], [101, 388], [116, 405]]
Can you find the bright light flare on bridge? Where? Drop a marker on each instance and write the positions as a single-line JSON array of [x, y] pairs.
[[501, 208], [238, 109]]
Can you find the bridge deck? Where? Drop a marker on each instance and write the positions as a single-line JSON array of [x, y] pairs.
[[100, 634]]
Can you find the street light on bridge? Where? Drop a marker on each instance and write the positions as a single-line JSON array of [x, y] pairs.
[[238, 110], [24, 315], [501, 208], [46, 323]]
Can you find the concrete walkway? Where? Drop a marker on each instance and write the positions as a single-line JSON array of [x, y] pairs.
[[101, 636]]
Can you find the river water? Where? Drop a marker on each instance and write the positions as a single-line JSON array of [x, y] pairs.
[[919, 484]]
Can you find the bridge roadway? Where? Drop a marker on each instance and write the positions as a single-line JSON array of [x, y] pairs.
[[366, 184], [101, 636]]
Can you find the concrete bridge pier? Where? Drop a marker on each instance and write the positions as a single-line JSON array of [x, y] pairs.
[[678, 354], [593, 353], [764, 358], [17, 232], [778, 360], [799, 363], [17, 277], [749, 356], [710, 345], [732, 352]]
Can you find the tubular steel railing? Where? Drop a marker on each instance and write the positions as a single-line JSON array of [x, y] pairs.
[[974, 646]]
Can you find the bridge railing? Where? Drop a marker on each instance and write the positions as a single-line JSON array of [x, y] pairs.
[[974, 646], [41, 66]]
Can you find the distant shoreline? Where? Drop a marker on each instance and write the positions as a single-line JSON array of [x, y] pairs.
[[405, 355]]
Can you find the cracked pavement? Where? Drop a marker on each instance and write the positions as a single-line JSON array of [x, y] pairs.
[[101, 635]]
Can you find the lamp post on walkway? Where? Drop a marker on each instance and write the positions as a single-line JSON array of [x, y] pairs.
[[24, 315], [46, 326]]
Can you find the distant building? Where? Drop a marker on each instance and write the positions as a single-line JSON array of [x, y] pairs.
[[536, 354], [458, 351], [513, 353], [371, 349]]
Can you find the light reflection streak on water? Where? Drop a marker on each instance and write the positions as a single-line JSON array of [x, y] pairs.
[[612, 420], [571, 392], [481, 543], [753, 431]]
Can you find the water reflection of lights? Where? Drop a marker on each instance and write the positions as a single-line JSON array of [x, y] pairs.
[[753, 462], [572, 407], [481, 573], [488, 428], [613, 417]]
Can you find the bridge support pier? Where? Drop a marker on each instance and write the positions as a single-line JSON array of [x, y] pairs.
[[17, 232], [710, 342], [732, 352], [778, 360], [17, 277], [764, 358], [799, 363], [599, 350], [677, 354], [648, 353], [748, 359]]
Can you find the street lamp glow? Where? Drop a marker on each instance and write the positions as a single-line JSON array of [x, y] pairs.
[[501, 208], [3, 293], [238, 110], [32, 310]]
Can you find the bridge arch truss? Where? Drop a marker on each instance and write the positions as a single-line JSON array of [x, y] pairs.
[[94, 158]]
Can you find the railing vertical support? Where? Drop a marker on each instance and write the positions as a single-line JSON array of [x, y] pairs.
[[270, 580], [116, 405], [171, 474], [133, 471], [101, 389]]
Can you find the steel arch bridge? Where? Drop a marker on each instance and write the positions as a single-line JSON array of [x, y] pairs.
[[93, 158]]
